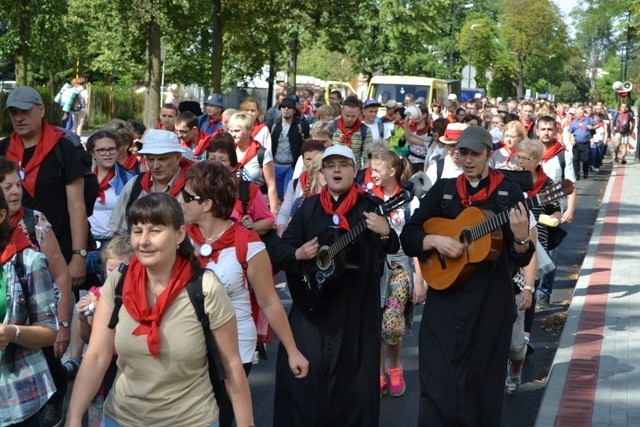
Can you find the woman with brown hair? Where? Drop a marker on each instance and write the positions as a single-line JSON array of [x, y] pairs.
[[162, 375]]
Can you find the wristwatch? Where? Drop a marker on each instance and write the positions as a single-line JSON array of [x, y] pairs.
[[523, 242], [64, 324], [80, 252], [528, 288]]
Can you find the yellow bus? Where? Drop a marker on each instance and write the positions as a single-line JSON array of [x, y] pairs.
[[385, 88]]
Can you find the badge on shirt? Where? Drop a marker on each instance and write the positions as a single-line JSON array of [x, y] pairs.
[[336, 219], [206, 249]]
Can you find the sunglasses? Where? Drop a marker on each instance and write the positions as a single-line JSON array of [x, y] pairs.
[[188, 198]]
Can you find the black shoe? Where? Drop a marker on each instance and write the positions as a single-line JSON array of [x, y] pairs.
[[51, 414], [543, 302], [624, 162], [586, 175], [530, 349]]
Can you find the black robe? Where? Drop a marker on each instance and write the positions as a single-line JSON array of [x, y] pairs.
[[465, 332], [342, 343]]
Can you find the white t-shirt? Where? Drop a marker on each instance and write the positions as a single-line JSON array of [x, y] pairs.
[[375, 132], [254, 170], [102, 214], [230, 274]]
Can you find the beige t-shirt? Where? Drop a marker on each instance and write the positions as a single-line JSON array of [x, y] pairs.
[[175, 389]]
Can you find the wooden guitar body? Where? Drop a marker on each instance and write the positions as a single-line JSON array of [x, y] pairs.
[[440, 272]]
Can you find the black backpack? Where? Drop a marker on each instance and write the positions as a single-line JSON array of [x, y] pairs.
[[196, 296]]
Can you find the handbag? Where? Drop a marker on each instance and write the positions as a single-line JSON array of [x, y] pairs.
[[556, 235]]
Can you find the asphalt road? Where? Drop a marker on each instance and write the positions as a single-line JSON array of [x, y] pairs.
[[519, 409]]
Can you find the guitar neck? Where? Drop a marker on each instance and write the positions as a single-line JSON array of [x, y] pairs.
[[498, 220], [346, 239]]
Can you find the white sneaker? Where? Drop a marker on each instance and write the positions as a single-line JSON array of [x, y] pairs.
[[513, 383], [596, 169]]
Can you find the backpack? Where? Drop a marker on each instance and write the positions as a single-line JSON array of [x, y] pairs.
[[623, 123], [217, 373], [563, 162], [262, 325], [78, 102]]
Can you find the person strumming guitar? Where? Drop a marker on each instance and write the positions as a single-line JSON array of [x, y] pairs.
[[466, 328], [341, 336]]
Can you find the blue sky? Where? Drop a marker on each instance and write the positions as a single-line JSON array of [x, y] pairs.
[[565, 7]]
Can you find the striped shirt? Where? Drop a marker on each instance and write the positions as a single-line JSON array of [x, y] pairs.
[[25, 381]]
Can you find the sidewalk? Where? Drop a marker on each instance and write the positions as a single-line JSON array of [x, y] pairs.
[[595, 376]]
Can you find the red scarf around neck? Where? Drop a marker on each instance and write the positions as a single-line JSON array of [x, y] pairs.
[[226, 240], [256, 128], [178, 183], [134, 298], [414, 128], [104, 183], [17, 243], [378, 191], [49, 137], [304, 180], [552, 150], [346, 133], [131, 162], [214, 121], [201, 146], [495, 178], [540, 181], [326, 200], [252, 150]]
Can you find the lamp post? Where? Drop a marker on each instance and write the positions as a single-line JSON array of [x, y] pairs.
[[456, 9]]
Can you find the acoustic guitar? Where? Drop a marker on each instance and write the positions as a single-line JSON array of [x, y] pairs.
[[479, 230], [321, 275]]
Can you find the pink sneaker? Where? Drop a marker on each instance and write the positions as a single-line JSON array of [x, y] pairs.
[[383, 386], [396, 382]]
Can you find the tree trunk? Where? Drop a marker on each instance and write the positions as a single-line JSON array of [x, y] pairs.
[[292, 68], [24, 34], [152, 100], [271, 79], [217, 46]]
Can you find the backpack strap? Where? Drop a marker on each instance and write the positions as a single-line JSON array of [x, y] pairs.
[[242, 247], [381, 130], [563, 162], [448, 193], [30, 223], [196, 296], [117, 296], [363, 131], [135, 192], [20, 270], [261, 152], [243, 191], [439, 167]]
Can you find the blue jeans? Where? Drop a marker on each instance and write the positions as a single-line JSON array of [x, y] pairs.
[[546, 282], [283, 176], [110, 422]]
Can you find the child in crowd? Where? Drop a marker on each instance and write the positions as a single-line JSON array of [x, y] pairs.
[[117, 251]]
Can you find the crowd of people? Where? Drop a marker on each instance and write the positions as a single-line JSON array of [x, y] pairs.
[[197, 215]]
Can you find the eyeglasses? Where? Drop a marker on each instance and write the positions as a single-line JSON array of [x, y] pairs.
[[340, 165], [103, 151], [188, 198], [287, 107], [183, 132]]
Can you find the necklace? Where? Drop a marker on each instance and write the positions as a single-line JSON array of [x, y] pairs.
[[155, 295], [206, 249]]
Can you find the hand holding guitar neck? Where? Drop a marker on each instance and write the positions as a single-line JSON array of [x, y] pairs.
[[376, 223], [519, 221]]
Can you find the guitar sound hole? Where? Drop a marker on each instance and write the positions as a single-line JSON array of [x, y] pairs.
[[323, 259], [465, 237]]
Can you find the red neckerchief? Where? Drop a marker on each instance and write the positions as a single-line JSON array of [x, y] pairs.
[[303, 180], [226, 240], [201, 146], [160, 126], [495, 178], [248, 155], [451, 118], [326, 200], [540, 181], [511, 154], [528, 126], [399, 123], [414, 128], [214, 121], [131, 162], [388, 117], [552, 150], [104, 183], [49, 137], [134, 298], [177, 185], [378, 191], [346, 133], [367, 178], [17, 242], [15, 219], [256, 128]]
